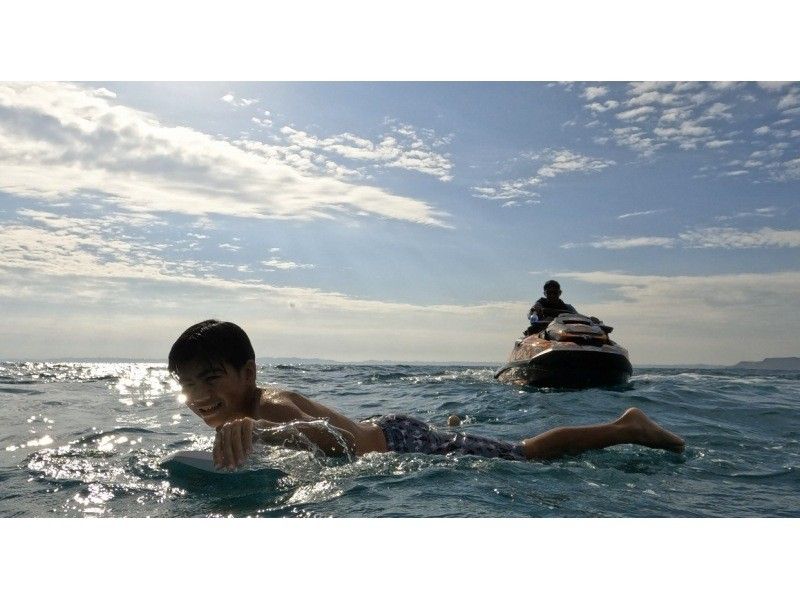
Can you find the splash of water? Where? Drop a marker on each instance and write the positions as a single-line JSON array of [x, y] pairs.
[[291, 435]]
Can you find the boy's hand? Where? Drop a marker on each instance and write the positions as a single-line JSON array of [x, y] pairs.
[[234, 442]]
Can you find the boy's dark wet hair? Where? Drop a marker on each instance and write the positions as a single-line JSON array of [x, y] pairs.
[[214, 342]]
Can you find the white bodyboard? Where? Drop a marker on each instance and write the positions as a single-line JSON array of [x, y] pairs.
[[201, 460], [182, 463]]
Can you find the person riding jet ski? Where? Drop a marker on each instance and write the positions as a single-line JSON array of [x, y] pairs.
[[547, 307], [551, 304]]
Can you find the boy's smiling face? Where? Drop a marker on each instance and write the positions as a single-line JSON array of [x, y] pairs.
[[218, 392]]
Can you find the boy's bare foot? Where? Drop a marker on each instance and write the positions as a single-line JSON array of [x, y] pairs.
[[648, 433]]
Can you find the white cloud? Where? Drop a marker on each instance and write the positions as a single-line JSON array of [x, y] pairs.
[[772, 152], [592, 92], [720, 309], [340, 172], [276, 264], [554, 163], [685, 129], [704, 238], [653, 97], [229, 98], [636, 113], [762, 130], [718, 110], [604, 107], [640, 87], [671, 115], [64, 139], [485, 190], [261, 122], [513, 189], [725, 85], [790, 100], [61, 246], [645, 213], [768, 212], [790, 170], [773, 85], [687, 115], [731, 238], [565, 161], [81, 251], [104, 93], [405, 148], [623, 243], [636, 139], [685, 86], [702, 97], [662, 298]]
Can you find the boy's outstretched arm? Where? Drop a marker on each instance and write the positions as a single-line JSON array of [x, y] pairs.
[[333, 441], [234, 441]]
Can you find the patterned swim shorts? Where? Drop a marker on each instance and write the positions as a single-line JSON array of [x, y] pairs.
[[409, 435]]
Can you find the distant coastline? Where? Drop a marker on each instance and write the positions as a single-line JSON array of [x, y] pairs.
[[770, 363]]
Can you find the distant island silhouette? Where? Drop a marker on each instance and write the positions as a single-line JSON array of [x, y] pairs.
[[770, 363]]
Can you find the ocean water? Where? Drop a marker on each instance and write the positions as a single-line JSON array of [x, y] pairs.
[[87, 440]]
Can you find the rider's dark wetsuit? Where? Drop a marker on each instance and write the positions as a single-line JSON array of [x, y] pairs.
[[557, 304], [551, 309]]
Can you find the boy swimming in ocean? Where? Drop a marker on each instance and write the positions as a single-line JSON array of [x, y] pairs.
[[215, 364]]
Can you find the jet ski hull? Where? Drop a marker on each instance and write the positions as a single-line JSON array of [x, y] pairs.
[[569, 367], [573, 352]]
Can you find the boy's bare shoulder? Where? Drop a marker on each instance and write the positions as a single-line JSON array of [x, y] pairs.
[[274, 394], [280, 404]]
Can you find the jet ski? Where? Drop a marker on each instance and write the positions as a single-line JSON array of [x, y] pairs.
[[568, 351]]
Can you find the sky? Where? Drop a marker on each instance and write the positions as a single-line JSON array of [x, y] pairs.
[[399, 221]]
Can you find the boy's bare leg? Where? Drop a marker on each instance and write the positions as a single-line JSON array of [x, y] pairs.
[[633, 427]]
